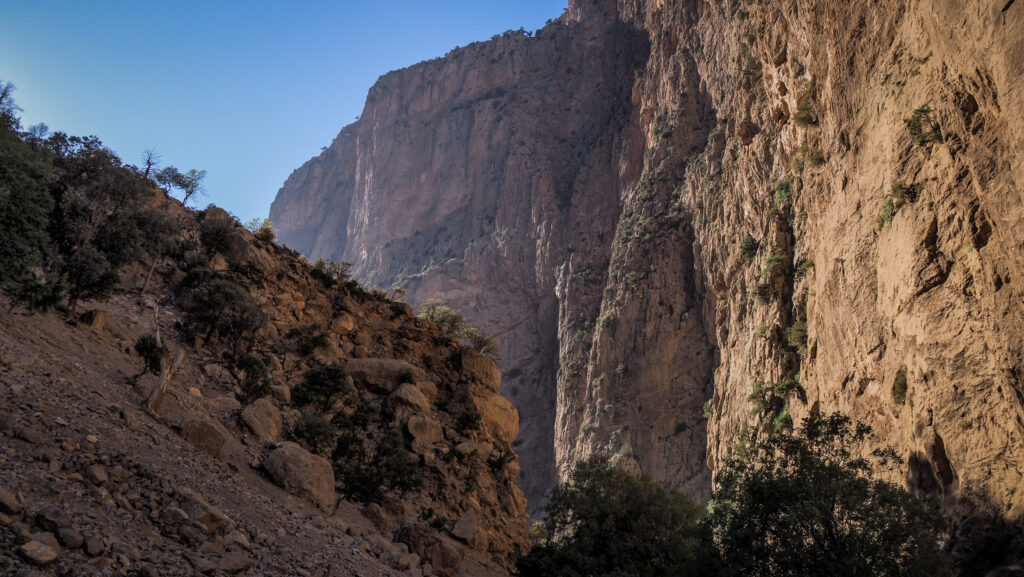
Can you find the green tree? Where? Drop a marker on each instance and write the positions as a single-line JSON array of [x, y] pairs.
[[104, 217], [802, 505], [25, 201], [607, 522], [190, 183], [322, 386]]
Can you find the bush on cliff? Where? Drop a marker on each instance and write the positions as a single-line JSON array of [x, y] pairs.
[[450, 321]]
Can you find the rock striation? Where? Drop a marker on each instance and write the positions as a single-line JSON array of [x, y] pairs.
[[663, 208]]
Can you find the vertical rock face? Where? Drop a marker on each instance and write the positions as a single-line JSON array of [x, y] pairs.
[[663, 207], [476, 179]]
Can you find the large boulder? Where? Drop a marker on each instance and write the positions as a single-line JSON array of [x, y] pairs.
[[409, 395], [264, 419], [206, 435], [498, 416], [302, 473], [425, 432], [478, 368], [381, 376]]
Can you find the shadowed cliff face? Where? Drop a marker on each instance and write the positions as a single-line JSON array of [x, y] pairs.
[[585, 196], [475, 179]]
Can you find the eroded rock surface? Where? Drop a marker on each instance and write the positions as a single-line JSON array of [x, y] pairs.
[[661, 207]]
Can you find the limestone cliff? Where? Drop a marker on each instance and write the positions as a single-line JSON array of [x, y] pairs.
[[476, 179], [667, 202]]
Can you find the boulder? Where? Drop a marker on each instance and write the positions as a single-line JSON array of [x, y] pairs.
[[206, 435], [381, 376], [53, 518], [264, 420], [71, 538], [302, 473], [234, 562], [210, 518], [282, 393], [409, 395], [466, 527], [482, 450], [425, 429], [38, 553], [499, 416], [94, 546], [478, 368], [97, 474], [343, 324], [8, 502]]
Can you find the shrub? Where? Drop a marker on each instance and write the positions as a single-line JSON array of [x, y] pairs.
[[797, 164], [762, 292], [899, 387], [922, 127], [315, 432], [89, 275], [322, 385], [903, 193], [331, 273], [307, 339], [804, 267], [436, 312], [484, 344], [469, 419], [748, 248], [802, 504], [391, 469], [216, 234], [774, 265], [263, 230], [604, 521], [216, 303], [783, 421], [806, 115], [887, 213], [151, 352], [770, 399], [256, 380], [816, 158], [783, 190], [796, 335]]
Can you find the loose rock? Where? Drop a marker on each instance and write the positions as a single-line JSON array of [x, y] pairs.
[[38, 553], [264, 420], [8, 502], [301, 473]]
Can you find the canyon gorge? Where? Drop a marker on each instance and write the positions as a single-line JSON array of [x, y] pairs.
[[664, 210]]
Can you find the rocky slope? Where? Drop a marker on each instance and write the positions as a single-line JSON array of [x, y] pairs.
[[667, 202], [214, 482]]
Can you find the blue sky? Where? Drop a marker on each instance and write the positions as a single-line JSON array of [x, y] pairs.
[[247, 91]]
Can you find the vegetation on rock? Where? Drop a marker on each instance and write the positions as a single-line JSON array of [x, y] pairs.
[[792, 504]]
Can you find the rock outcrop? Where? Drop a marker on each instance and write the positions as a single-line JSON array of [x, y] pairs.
[[663, 208]]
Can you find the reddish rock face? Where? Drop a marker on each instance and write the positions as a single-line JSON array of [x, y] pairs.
[[486, 179], [585, 197]]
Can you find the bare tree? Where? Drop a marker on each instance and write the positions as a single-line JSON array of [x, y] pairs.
[[151, 160]]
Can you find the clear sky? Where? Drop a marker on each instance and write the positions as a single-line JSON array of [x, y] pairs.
[[247, 90]]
